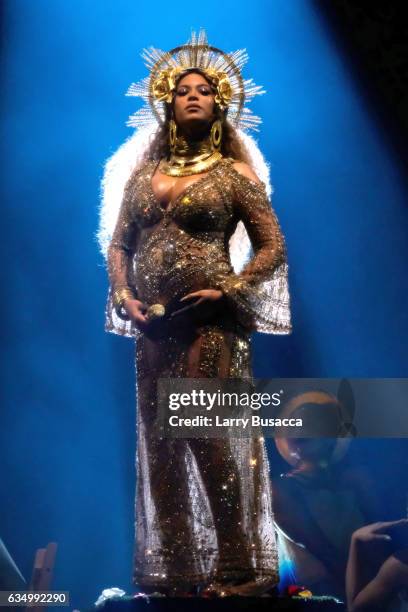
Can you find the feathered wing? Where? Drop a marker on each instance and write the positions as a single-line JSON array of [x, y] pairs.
[[117, 171]]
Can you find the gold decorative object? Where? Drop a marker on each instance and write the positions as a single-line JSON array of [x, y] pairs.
[[306, 594], [121, 294], [223, 70], [172, 135], [164, 84], [155, 311], [192, 157], [216, 134]]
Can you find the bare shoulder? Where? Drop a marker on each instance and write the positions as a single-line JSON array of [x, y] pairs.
[[246, 170], [395, 569]]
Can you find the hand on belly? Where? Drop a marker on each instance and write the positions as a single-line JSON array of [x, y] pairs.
[[200, 305]]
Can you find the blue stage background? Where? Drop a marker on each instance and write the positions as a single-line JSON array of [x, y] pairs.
[[68, 422]]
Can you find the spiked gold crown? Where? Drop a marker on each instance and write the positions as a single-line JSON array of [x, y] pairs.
[[222, 69]]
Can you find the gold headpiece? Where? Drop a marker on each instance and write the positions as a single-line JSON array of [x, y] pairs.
[[222, 69]]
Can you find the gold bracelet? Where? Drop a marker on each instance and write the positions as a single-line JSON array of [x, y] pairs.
[[119, 296], [230, 283], [122, 294]]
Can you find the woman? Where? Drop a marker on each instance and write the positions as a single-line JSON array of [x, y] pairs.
[[203, 506]]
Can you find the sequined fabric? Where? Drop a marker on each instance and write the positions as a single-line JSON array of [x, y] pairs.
[[203, 506]]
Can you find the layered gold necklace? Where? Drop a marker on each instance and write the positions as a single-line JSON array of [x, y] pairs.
[[190, 157]]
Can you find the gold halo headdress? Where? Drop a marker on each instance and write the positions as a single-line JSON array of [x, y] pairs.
[[222, 69]]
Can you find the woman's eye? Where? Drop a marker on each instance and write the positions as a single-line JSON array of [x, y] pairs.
[[204, 91]]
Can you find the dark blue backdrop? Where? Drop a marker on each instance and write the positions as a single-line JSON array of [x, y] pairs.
[[68, 418]]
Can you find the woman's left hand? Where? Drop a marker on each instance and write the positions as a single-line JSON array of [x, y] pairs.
[[203, 298]]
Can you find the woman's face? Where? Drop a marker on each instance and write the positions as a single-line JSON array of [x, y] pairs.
[[193, 101]]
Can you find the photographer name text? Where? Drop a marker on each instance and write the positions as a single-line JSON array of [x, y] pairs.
[[237, 422]]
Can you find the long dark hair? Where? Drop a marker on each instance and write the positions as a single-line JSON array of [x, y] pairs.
[[231, 145]]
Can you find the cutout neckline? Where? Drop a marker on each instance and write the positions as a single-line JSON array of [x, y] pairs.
[[171, 205]]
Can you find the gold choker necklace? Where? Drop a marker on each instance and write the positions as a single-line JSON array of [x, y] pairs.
[[190, 158]]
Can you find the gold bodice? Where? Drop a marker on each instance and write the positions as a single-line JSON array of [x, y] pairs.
[[165, 253]]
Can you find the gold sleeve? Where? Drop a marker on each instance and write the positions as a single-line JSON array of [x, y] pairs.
[[120, 264], [259, 294]]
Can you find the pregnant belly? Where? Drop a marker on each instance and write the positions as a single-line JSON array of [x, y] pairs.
[[171, 265], [160, 280]]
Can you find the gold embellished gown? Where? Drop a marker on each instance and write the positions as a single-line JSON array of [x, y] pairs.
[[203, 506]]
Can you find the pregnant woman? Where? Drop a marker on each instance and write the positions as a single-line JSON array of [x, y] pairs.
[[191, 205]]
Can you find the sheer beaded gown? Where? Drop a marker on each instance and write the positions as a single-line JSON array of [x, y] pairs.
[[203, 506]]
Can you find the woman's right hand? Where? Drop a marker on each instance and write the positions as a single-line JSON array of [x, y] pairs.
[[136, 311]]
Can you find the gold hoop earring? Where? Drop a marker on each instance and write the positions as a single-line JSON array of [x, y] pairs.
[[172, 135], [216, 134]]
